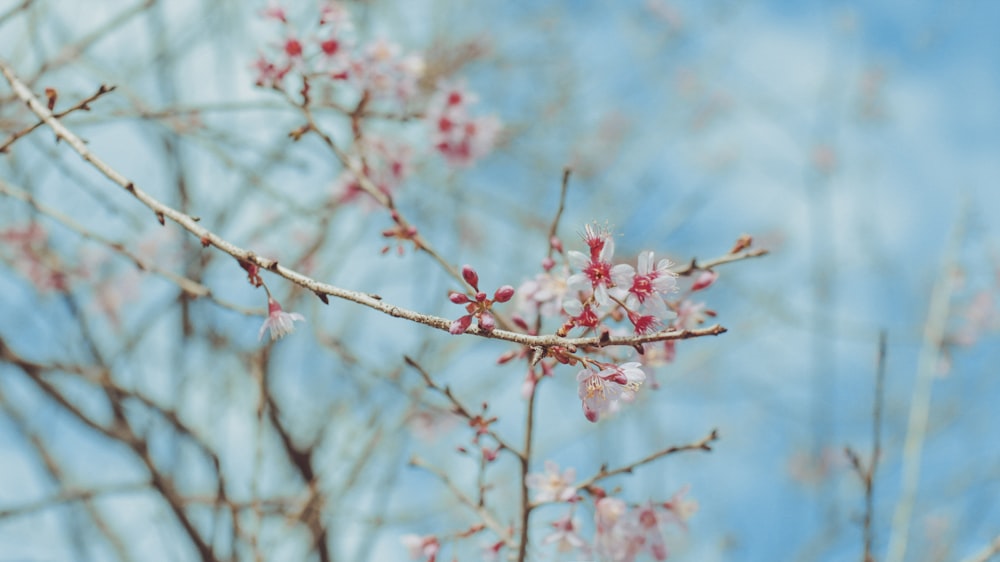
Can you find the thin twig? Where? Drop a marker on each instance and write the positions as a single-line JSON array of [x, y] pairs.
[[526, 507], [554, 228], [487, 517], [704, 444], [695, 265], [457, 406], [867, 475], [83, 105], [71, 496], [189, 286]]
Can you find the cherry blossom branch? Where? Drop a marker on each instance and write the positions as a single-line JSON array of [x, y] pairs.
[[704, 444], [187, 285], [487, 517], [368, 187], [81, 106], [322, 290]]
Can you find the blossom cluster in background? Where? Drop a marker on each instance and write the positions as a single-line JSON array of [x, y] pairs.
[[373, 72]]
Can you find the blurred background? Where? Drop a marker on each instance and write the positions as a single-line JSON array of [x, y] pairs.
[[857, 141]]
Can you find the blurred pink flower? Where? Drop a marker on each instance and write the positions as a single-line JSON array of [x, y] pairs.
[[278, 321], [551, 486]]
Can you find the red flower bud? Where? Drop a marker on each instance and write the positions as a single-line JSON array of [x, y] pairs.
[[503, 294], [704, 280], [461, 325], [486, 322], [470, 276]]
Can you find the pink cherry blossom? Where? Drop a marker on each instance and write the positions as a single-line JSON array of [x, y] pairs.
[[680, 507], [615, 538], [595, 269], [601, 392], [648, 533], [543, 295], [691, 314], [383, 71], [644, 287], [551, 486], [279, 322], [565, 535], [461, 138]]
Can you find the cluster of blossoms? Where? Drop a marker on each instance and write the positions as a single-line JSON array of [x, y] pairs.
[[384, 162], [459, 136], [592, 292], [621, 532], [379, 69], [599, 286], [373, 71], [27, 250]]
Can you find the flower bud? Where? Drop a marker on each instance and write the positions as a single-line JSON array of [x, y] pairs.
[[503, 294], [461, 325], [704, 280], [470, 276], [486, 322], [457, 298]]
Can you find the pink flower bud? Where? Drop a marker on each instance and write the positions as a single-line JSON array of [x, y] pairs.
[[556, 244], [548, 264], [486, 322], [457, 298], [470, 276], [503, 294], [704, 280], [461, 325]]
